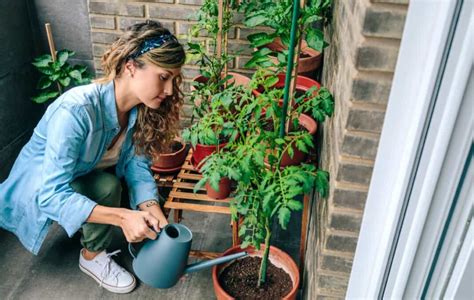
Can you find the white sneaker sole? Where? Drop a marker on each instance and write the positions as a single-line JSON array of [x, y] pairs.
[[113, 289]]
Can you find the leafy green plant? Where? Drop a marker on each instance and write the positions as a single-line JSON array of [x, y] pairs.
[[276, 14], [265, 192], [57, 75]]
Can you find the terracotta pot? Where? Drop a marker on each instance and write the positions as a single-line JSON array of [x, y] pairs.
[[222, 193], [239, 79], [171, 160], [200, 152], [303, 84], [298, 156], [309, 59], [277, 257]]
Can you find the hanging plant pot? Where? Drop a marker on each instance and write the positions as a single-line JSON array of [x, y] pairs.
[[309, 59], [237, 78], [223, 192], [303, 84], [242, 290], [172, 160], [298, 156]]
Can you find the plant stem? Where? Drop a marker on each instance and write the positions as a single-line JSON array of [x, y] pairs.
[[262, 277]]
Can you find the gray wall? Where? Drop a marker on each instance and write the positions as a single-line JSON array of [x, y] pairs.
[[23, 37], [69, 20], [18, 114]]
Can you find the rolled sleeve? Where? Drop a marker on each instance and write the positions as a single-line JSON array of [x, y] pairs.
[[141, 185], [66, 133]]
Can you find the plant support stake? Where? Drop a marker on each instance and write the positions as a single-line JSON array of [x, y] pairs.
[[289, 67], [52, 49]]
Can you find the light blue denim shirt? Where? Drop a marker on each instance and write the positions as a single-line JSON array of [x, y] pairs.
[[68, 142]]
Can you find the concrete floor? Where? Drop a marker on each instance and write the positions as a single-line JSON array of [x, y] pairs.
[[54, 273]]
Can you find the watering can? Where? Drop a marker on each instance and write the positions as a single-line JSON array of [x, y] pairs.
[[161, 262]]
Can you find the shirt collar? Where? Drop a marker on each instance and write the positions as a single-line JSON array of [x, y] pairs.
[[110, 109]]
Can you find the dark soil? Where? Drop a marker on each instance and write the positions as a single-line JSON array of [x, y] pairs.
[[175, 147], [240, 280]]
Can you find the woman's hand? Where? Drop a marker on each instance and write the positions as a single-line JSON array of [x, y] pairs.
[[137, 225], [153, 207]]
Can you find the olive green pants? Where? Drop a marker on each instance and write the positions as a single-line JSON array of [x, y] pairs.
[[105, 189]]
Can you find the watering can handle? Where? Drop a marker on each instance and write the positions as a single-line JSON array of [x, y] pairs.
[[133, 251]]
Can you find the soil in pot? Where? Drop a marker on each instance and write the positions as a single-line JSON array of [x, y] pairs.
[[240, 279], [175, 147]]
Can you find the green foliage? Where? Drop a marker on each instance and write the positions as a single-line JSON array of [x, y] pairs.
[[276, 14], [58, 74]]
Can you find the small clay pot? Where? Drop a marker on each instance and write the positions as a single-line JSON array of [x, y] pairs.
[[173, 159], [222, 193], [303, 84], [298, 156], [200, 152], [309, 61], [277, 257]]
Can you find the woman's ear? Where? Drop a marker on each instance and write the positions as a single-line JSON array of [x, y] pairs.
[[130, 68]]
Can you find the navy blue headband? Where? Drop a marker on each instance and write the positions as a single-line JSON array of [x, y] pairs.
[[153, 43]]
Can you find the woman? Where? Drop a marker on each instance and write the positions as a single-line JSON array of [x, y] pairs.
[[120, 121]]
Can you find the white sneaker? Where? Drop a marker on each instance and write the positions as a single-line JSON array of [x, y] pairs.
[[108, 273]]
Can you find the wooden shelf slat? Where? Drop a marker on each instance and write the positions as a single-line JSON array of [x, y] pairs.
[[192, 196], [197, 207]]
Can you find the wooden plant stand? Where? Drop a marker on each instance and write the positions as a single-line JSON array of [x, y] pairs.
[[182, 197]]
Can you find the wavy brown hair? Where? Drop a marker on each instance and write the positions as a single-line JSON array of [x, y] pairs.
[[155, 128]]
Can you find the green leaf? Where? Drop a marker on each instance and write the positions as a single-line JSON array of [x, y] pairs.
[[270, 81], [315, 39], [62, 57], [65, 81], [45, 70], [291, 152], [295, 205], [76, 75], [284, 215], [260, 39], [43, 83], [43, 97], [255, 20], [42, 61]]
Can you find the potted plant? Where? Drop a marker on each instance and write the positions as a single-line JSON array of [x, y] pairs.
[[271, 47], [263, 193], [172, 158], [58, 75]]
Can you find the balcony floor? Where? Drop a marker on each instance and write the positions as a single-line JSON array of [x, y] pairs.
[[54, 273]]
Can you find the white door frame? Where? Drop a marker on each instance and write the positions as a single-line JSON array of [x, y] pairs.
[[432, 70]]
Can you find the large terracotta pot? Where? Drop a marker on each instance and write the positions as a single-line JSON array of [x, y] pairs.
[[200, 152], [298, 156], [222, 193], [277, 257], [309, 59], [172, 160]]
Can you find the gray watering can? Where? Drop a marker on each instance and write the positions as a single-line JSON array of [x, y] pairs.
[[161, 262]]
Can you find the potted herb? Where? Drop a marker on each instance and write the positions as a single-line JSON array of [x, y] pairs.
[[58, 75]]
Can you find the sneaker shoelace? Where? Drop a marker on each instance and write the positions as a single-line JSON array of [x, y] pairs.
[[107, 267]]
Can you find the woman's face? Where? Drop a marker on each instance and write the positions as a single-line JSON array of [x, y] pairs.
[[152, 84]]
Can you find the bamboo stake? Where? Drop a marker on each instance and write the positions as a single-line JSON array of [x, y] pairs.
[[52, 49], [219, 24]]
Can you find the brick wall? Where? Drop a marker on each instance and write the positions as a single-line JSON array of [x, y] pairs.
[[109, 18], [364, 38]]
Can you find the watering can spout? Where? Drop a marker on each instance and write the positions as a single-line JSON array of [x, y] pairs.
[[209, 263]]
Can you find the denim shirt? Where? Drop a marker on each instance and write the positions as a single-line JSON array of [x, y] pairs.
[[68, 142]]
